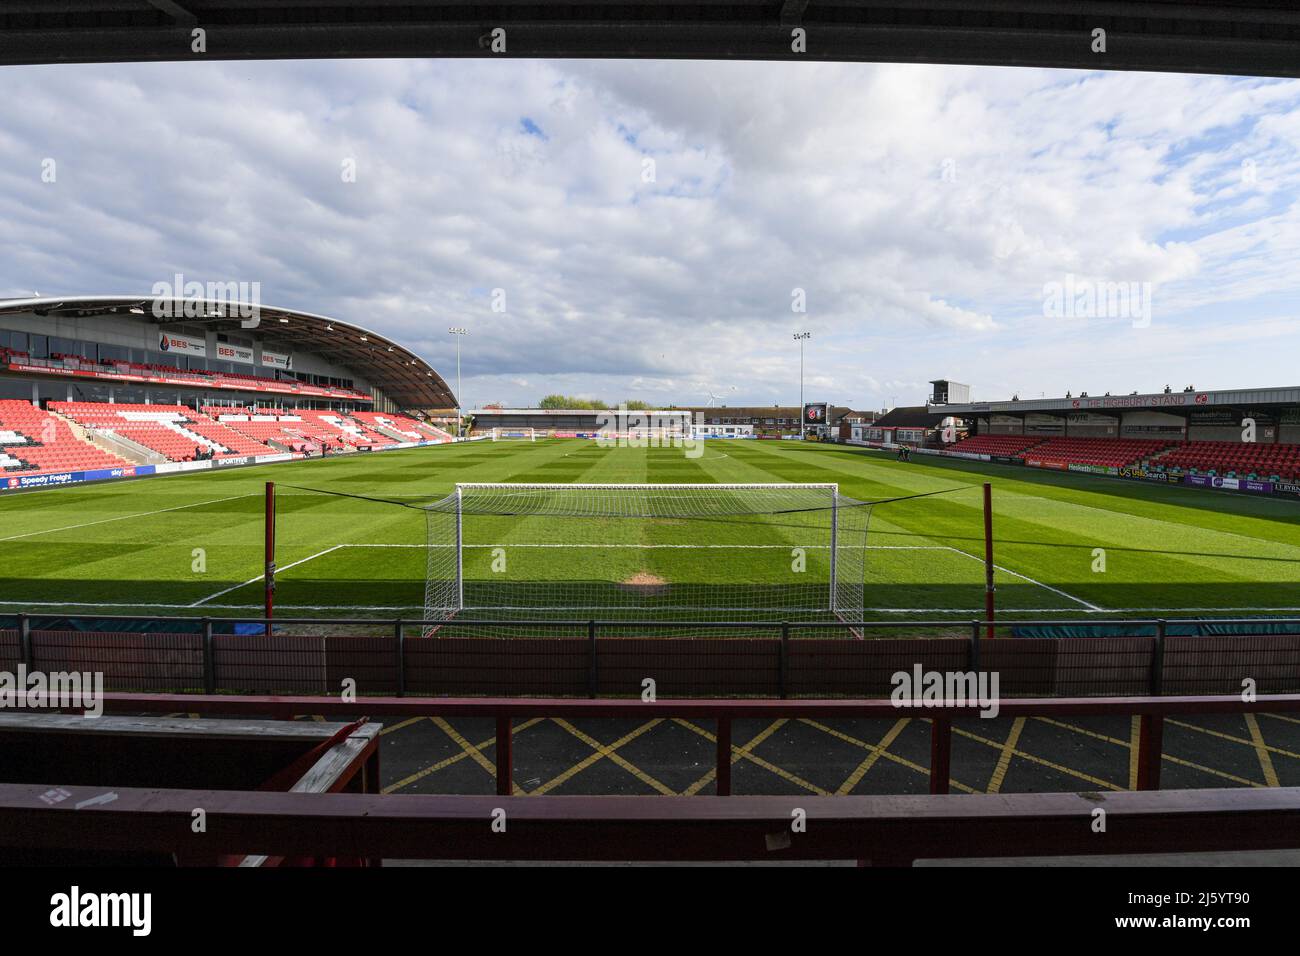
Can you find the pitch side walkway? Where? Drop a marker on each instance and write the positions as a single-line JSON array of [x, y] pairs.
[[803, 756]]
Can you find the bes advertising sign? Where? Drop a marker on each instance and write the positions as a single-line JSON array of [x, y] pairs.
[[182, 344], [277, 359]]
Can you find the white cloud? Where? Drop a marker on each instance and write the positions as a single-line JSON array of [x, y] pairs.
[[922, 209]]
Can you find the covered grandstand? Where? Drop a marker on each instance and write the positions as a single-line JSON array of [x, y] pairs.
[[1237, 440], [95, 387]]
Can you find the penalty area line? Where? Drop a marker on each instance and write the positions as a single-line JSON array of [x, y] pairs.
[[142, 514], [1024, 577], [236, 587]]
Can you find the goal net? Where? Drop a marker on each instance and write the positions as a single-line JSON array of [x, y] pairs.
[[645, 553], [514, 434]]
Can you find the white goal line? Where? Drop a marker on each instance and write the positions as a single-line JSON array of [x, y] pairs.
[[780, 547]]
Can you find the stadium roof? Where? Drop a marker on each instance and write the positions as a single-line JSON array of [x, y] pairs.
[[834, 412], [1245, 37], [402, 375], [1155, 401], [912, 416]]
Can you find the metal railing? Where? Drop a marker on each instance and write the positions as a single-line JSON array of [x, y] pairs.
[[886, 830], [1151, 712], [593, 657]]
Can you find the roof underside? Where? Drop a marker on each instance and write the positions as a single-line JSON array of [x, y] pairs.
[[1250, 37], [399, 373]]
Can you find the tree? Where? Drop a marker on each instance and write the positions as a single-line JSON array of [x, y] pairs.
[[571, 401]]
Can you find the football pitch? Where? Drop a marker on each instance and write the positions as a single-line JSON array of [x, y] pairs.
[[1066, 545]]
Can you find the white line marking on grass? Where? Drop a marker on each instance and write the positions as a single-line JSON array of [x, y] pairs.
[[142, 514], [779, 547], [978, 611], [292, 564], [1025, 577]]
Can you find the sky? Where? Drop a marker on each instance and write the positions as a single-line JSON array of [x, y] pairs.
[[658, 230]]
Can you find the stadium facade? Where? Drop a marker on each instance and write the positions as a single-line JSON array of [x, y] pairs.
[[110, 386]]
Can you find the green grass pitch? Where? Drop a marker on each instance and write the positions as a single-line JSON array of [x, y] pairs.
[[192, 544]]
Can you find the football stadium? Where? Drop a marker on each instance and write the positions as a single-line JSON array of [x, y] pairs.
[[310, 540], [277, 594]]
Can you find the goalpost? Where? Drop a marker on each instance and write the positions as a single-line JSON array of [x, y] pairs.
[[514, 434], [646, 553]]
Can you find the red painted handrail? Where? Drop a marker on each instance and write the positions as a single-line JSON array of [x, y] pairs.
[[887, 830]]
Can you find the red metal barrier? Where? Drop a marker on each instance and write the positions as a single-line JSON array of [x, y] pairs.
[[886, 830]]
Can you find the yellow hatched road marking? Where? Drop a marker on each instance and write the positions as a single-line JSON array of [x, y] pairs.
[[1289, 720], [474, 752], [876, 752], [997, 745], [466, 751], [400, 724], [744, 752], [1065, 725], [849, 738], [1134, 745], [602, 751], [1212, 772], [1104, 783], [1256, 737], [1004, 758], [1265, 761]]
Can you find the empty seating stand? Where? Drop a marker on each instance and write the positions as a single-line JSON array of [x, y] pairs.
[[262, 426], [34, 442], [1103, 452], [1007, 446], [410, 428], [1233, 459], [338, 428], [174, 431]]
